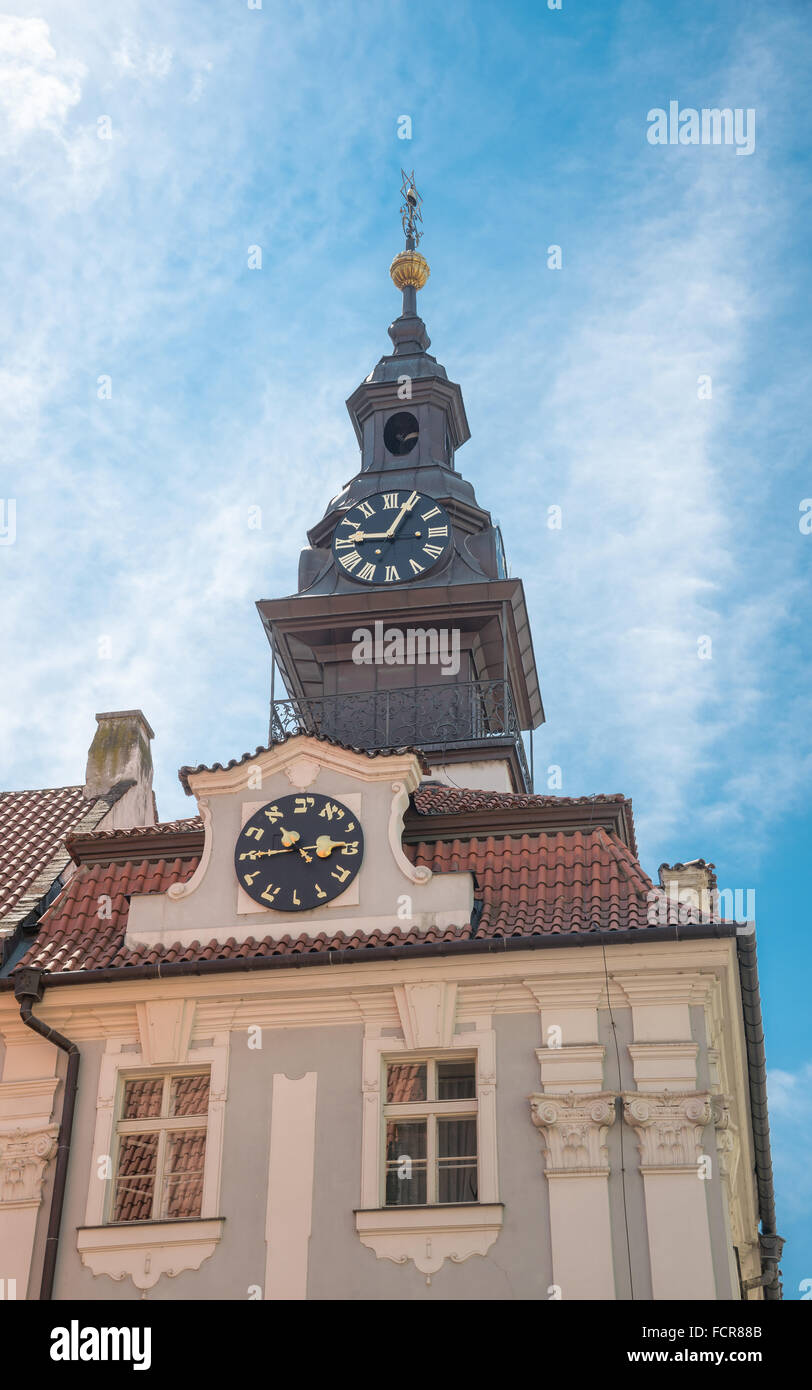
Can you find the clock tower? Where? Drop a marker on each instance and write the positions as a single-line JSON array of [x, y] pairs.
[[405, 628]]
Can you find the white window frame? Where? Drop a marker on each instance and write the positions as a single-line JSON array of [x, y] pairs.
[[116, 1064], [431, 1111], [146, 1250], [478, 1041], [428, 1235], [163, 1124]]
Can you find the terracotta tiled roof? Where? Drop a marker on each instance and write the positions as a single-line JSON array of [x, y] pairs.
[[166, 840], [526, 885], [185, 773], [163, 827], [33, 827], [432, 799], [461, 811], [548, 883]]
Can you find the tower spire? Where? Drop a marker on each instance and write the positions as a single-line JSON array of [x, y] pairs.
[[410, 271]]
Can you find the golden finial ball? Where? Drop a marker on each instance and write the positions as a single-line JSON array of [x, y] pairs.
[[410, 268]]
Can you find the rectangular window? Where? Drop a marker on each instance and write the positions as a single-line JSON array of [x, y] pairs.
[[430, 1118], [161, 1147]]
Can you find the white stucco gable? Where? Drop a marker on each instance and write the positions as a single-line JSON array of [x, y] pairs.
[[388, 891]]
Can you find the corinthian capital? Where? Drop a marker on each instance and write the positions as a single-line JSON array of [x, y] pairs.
[[24, 1156], [574, 1129], [668, 1126]]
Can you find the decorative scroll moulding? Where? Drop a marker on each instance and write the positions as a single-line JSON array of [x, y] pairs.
[[428, 1236], [145, 1252]]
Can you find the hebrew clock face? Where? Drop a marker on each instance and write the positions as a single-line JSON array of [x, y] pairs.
[[392, 537], [299, 852]]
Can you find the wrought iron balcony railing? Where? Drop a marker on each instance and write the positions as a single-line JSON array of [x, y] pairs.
[[428, 717]]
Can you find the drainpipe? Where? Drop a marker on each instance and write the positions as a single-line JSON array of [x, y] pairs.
[[770, 1243], [28, 988]]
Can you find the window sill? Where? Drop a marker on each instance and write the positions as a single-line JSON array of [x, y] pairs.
[[146, 1250], [430, 1235]]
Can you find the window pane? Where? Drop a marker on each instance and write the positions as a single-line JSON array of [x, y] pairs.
[[189, 1095], [457, 1183], [456, 1080], [135, 1179], [456, 1164], [405, 1163], [142, 1098], [405, 1081], [183, 1176]]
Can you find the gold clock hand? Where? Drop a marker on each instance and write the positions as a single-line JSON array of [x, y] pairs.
[[324, 847], [408, 505]]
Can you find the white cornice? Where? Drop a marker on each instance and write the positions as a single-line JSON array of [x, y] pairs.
[[401, 767], [98, 1009]]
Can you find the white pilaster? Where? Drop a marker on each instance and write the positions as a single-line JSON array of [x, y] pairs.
[[669, 1130], [574, 1129], [289, 1215]]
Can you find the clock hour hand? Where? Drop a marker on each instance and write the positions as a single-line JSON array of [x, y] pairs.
[[289, 840]]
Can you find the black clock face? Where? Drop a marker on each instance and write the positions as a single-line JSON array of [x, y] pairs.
[[392, 537], [299, 852]]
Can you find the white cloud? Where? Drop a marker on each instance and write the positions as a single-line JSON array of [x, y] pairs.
[[144, 61], [37, 89]]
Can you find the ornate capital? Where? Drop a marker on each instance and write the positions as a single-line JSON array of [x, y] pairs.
[[24, 1156], [668, 1126], [726, 1135], [574, 1129]]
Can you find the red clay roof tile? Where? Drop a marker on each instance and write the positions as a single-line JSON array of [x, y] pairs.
[[33, 827], [527, 885]]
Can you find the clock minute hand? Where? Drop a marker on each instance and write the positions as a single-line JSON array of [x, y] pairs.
[[408, 505], [324, 847]]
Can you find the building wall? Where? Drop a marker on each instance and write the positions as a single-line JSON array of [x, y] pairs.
[[316, 1027]]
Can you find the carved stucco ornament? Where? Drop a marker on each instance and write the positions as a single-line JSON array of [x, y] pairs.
[[24, 1156], [668, 1126], [574, 1128], [302, 772], [146, 1253], [416, 873], [185, 890], [430, 1236]]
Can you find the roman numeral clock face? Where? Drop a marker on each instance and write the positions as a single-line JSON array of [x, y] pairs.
[[392, 537], [299, 852]]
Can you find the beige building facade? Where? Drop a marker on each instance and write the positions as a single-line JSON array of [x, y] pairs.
[[614, 1153]]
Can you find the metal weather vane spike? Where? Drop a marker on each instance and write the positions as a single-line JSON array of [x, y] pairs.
[[410, 214]]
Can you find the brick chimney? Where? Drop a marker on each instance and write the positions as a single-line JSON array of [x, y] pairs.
[[119, 769]]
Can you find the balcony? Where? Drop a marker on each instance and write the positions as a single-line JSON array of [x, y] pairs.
[[469, 714]]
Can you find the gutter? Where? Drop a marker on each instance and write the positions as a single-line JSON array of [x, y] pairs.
[[28, 988], [355, 955]]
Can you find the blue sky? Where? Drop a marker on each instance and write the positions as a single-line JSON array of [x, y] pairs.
[[234, 127]]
